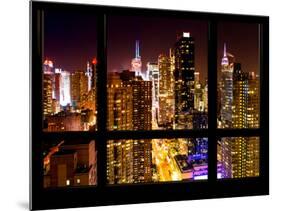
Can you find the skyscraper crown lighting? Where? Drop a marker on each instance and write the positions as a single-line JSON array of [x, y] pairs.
[[224, 60], [136, 62]]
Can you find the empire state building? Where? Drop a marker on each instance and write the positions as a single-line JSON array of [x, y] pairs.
[[136, 62]]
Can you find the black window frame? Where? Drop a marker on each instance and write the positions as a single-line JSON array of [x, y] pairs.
[[102, 194]]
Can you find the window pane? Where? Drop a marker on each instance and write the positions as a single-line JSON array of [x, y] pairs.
[[69, 163], [69, 71], [238, 157], [157, 73], [157, 160], [238, 75]]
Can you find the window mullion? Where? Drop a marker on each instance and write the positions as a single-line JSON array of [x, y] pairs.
[[101, 99], [212, 100]]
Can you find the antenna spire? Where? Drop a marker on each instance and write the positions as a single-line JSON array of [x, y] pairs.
[[137, 49]]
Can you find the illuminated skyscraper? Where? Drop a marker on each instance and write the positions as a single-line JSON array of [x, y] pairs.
[[226, 90], [142, 120], [184, 80], [166, 94], [120, 104], [57, 79], [142, 104], [65, 98], [253, 107], [205, 97], [136, 62], [153, 75], [79, 88], [130, 102], [245, 99], [47, 86], [240, 97], [198, 94], [89, 74], [120, 161], [94, 73], [240, 157], [119, 152], [47, 94]]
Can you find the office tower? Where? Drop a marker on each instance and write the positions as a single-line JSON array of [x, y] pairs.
[[71, 164], [253, 106], [65, 98], [120, 104], [253, 157], [245, 98], [226, 90], [120, 161], [142, 100], [198, 95], [57, 84], [79, 88], [94, 73], [89, 74], [130, 102], [142, 104], [47, 94], [142, 161], [240, 97], [240, 157], [142, 120], [166, 94], [153, 75], [184, 80], [136, 62], [47, 86], [205, 97], [119, 152]]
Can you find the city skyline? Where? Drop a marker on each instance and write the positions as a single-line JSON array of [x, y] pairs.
[[70, 40], [159, 87], [242, 41]]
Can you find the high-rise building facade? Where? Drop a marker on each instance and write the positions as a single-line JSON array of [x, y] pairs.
[[240, 97], [120, 103], [79, 88], [166, 92], [47, 94], [94, 74], [130, 108], [240, 157], [253, 108], [184, 80], [239, 109], [65, 98], [47, 86], [226, 91], [119, 152], [153, 76]]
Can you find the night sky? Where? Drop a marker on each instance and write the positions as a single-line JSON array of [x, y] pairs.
[[241, 41], [70, 40], [156, 35]]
